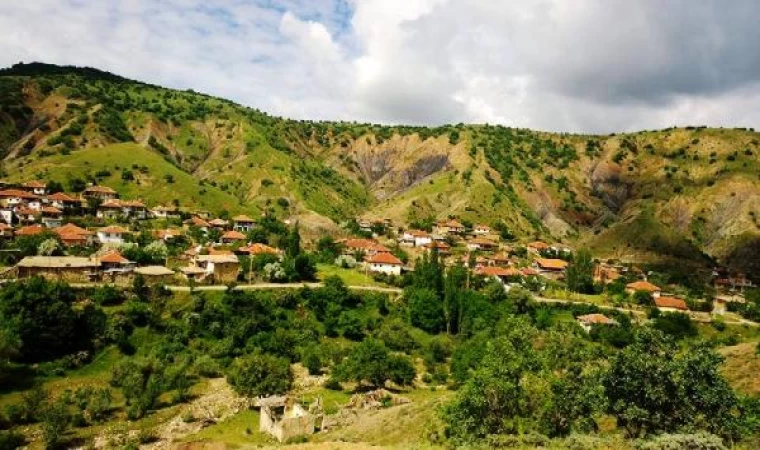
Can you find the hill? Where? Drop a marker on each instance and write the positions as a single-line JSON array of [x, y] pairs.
[[668, 195]]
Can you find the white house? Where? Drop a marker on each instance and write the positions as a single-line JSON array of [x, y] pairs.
[[481, 230], [670, 304], [589, 320], [163, 212], [35, 187], [243, 223], [416, 238], [384, 263], [112, 235]]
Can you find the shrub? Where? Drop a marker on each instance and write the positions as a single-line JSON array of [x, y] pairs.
[[700, 441], [260, 375]]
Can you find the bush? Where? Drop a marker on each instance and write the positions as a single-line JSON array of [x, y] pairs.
[[11, 440], [700, 441]]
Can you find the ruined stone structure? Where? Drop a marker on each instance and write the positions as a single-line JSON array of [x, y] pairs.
[[284, 418]]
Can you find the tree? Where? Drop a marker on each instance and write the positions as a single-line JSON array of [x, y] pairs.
[[580, 273], [260, 375], [293, 242], [55, 422], [425, 310], [371, 362]]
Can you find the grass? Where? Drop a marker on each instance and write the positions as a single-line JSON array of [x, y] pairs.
[[239, 430], [151, 186], [741, 367], [352, 277]]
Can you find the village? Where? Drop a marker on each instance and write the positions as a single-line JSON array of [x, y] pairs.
[[83, 238]]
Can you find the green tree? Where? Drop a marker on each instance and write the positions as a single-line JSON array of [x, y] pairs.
[[371, 362], [425, 309], [55, 421], [293, 242], [580, 272], [260, 375]]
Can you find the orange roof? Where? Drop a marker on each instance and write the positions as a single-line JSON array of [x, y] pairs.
[[418, 233], [113, 229], [51, 210], [642, 286], [490, 271], [451, 223], [671, 302], [30, 230], [216, 251], [114, 257], [70, 229], [27, 212], [551, 264], [481, 227], [364, 244], [72, 238], [133, 203], [234, 236], [592, 319], [218, 222], [198, 222], [35, 184], [113, 203], [482, 242], [163, 234], [17, 193], [384, 258], [538, 245], [259, 249], [61, 197], [438, 245], [529, 272]]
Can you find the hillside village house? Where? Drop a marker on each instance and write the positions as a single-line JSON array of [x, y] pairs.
[[501, 274], [670, 304], [218, 223], [217, 269], [51, 216], [550, 268], [102, 193], [35, 187], [6, 231], [155, 274], [112, 235], [72, 235], [71, 269], [127, 209], [164, 212], [13, 198], [645, 286], [481, 244], [441, 247], [258, 249], [64, 202], [537, 247], [588, 321], [27, 215], [198, 222], [384, 263], [481, 230], [451, 226], [243, 223], [30, 230], [415, 238], [232, 237], [368, 247]]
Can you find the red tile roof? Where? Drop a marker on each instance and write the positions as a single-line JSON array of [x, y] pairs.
[[642, 286], [551, 264], [259, 249], [491, 271], [114, 257], [35, 184], [61, 197], [100, 190], [234, 236], [70, 229], [30, 230], [384, 258], [113, 229], [593, 319], [538, 245], [671, 302], [10, 193]]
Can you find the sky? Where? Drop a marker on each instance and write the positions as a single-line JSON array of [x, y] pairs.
[[594, 66]]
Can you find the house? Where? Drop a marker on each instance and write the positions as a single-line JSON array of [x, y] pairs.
[[71, 269], [548, 266], [415, 238], [384, 263], [645, 286], [30, 230], [233, 236], [198, 222], [451, 226], [258, 249], [537, 247], [588, 321], [72, 235], [102, 193], [500, 274], [51, 216], [63, 201], [243, 223], [164, 212], [481, 230], [7, 215], [27, 215], [109, 209], [220, 268], [166, 235], [218, 223], [285, 419], [15, 197], [670, 304], [368, 247], [113, 260], [112, 235], [441, 247], [604, 274], [481, 244], [155, 274], [134, 209], [35, 187]]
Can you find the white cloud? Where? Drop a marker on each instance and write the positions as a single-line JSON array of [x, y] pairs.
[[570, 65]]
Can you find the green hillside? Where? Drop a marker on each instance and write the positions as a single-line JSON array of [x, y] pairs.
[[699, 187]]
